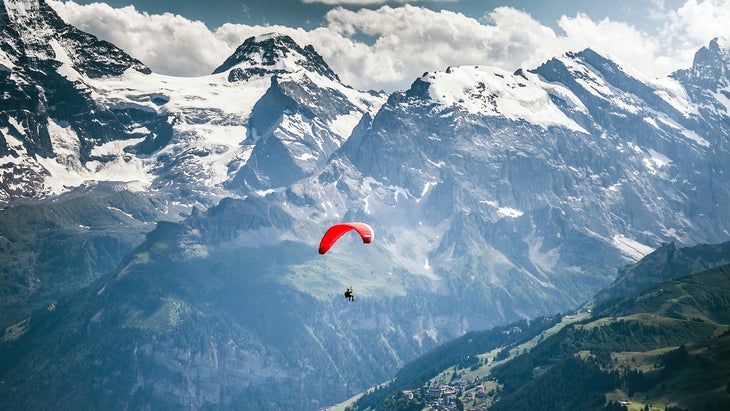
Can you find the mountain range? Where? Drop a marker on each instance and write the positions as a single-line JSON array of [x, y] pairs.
[[495, 196]]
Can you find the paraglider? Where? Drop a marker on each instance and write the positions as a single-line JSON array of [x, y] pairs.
[[338, 230]]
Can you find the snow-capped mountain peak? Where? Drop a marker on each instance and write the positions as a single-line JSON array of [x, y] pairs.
[[273, 54], [105, 117], [490, 91], [33, 29], [711, 67]]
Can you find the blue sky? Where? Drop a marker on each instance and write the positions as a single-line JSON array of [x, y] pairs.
[[374, 44]]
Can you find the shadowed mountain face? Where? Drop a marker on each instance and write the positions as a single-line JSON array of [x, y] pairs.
[[494, 196], [665, 263], [50, 250]]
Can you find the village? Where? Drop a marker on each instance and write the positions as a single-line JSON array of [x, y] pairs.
[[475, 395]]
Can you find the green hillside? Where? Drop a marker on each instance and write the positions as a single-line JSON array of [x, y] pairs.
[[661, 348], [665, 263], [667, 348], [52, 249]]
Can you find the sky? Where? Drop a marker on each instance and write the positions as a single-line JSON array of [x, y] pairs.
[[386, 45]]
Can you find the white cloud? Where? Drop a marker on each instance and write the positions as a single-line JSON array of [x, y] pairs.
[[618, 41], [167, 43], [368, 2], [697, 22], [410, 40]]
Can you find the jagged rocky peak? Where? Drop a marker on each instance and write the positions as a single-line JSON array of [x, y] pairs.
[[32, 28], [711, 66], [581, 64], [273, 53]]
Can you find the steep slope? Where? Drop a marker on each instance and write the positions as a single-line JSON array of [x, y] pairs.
[[304, 116], [665, 263], [49, 250], [42, 102], [529, 187], [178, 331], [671, 127], [667, 345]]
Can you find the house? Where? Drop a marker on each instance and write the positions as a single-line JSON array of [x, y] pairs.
[[433, 393]]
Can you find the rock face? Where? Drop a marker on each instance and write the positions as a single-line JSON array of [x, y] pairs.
[[494, 196], [77, 110], [39, 60], [273, 54]]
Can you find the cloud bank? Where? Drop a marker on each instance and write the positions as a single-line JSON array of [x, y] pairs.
[[409, 40]]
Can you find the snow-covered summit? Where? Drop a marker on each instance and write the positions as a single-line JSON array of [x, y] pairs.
[[33, 29], [710, 68], [490, 91], [77, 111], [273, 54]]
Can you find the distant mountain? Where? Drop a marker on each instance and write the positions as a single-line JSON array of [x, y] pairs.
[[273, 54], [495, 197], [666, 263], [663, 346]]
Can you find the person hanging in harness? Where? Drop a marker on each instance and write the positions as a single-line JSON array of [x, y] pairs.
[[349, 295]]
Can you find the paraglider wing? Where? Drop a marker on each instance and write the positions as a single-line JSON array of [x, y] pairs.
[[338, 230]]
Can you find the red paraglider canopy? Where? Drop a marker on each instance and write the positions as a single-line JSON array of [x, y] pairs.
[[338, 230]]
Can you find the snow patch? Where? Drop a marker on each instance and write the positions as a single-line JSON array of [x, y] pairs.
[[509, 212], [114, 147], [427, 187], [495, 92], [66, 69], [18, 127], [687, 133], [343, 125], [630, 248], [587, 78], [694, 136], [658, 159], [722, 96], [6, 64], [672, 91], [66, 170]]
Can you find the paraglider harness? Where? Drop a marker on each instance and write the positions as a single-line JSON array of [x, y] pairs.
[[349, 295]]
